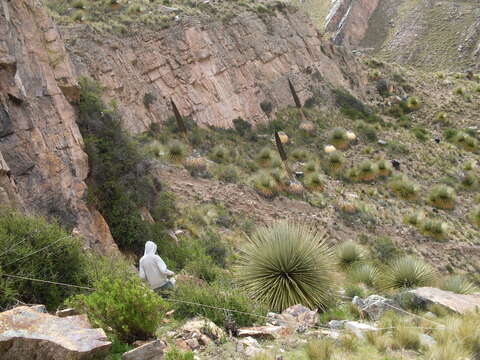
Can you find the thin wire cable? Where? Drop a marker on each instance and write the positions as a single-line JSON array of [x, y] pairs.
[[236, 311], [37, 251], [47, 281]]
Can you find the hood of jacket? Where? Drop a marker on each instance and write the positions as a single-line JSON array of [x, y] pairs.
[[150, 248]]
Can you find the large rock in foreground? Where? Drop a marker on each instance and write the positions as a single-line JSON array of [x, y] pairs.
[[28, 333], [454, 302]]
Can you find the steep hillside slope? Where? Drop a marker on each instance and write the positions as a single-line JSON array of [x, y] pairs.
[[431, 34], [42, 164]]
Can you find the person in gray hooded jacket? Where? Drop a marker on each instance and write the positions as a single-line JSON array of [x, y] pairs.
[[154, 270]]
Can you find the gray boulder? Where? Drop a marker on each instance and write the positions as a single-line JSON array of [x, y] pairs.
[[374, 306], [29, 330], [152, 350], [457, 303]]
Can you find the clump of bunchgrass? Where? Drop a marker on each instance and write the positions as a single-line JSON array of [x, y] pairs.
[[220, 154], [339, 138], [404, 187], [367, 171], [310, 167], [406, 337], [413, 103], [385, 168], [475, 216], [470, 181], [320, 349], [437, 229], [265, 185], [286, 264], [442, 197], [300, 155], [314, 182], [265, 157], [334, 162]]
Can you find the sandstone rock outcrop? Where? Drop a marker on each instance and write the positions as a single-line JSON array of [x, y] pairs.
[[214, 71], [27, 330], [40, 143], [454, 302]]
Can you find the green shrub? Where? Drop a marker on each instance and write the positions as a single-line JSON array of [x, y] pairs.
[[123, 305], [348, 253], [350, 105], [404, 188], [214, 295], [116, 186], [177, 354], [22, 239], [286, 264], [458, 285], [202, 267], [442, 197], [408, 272], [242, 127]]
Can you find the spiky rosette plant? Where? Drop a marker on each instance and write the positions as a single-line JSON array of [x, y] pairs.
[[314, 182], [348, 253], [334, 162], [367, 274], [265, 157], [408, 272], [404, 188], [442, 197], [367, 171], [176, 151], [286, 264], [384, 168], [265, 185], [339, 138], [459, 285]]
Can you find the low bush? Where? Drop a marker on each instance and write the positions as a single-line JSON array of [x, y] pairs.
[[215, 295], [242, 127], [123, 305], [34, 248]]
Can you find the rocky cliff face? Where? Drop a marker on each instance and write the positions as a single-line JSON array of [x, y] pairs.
[[42, 164], [214, 71], [348, 20]]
